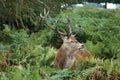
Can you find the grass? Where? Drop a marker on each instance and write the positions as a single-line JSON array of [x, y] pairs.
[[24, 57]]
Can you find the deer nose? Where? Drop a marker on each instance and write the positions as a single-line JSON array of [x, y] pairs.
[[82, 46]]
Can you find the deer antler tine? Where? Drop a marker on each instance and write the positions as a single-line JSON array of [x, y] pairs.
[[41, 16], [61, 33], [69, 26], [47, 13], [49, 25], [44, 11]]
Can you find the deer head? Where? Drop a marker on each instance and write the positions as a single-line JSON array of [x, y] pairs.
[[65, 57]]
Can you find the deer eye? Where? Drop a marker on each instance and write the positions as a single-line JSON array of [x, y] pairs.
[[72, 41]]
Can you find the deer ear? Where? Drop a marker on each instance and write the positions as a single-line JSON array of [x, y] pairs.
[[71, 36], [63, 37]]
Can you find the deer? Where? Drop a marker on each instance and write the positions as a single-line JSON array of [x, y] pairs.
[[71, 50]]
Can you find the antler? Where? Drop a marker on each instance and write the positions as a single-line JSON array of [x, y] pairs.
[[45, 18], [69, 26]]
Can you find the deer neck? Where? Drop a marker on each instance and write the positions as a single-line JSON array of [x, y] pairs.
[[68, 51], [69, 56], [65, 57]]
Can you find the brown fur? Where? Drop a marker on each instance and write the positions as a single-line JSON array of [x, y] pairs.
[[79, 56], [69, 53], [60, 58]]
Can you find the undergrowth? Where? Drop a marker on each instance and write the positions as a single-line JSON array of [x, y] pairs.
[[30, 57]]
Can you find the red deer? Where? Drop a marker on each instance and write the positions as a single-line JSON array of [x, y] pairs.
[[70, 51]]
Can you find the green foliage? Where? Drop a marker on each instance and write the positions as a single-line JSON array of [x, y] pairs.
[[97, 28], [25, 13], [25, 58], [30, 57]]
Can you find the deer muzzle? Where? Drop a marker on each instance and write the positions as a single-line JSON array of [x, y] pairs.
[[81, 47]]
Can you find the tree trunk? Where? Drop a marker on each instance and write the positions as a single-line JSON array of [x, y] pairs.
[[106, 4]]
